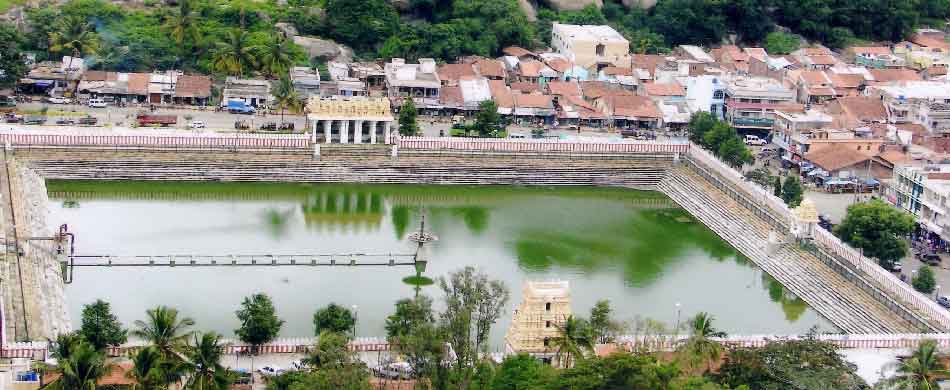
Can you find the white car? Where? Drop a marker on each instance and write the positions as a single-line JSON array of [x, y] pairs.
[[270, 371], [97, 103], [58, 100], [197, 125], [754, 140]]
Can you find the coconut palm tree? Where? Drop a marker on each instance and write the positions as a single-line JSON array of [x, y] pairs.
[[73, 35], [204, 364], [576, 340], [81, 370], [276, 56], [235, 56], [169, 335], [699, 348], [287, 97], [921, 370], [184, 27], [147, 370]]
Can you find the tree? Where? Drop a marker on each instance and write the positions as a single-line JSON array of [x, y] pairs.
[[184, 28], [332, 351], [204, 364], [792, 191], [789, 364], [779, 43], [699, 124], [575, 341], [734, 152], [921, 370], [698, 348], [617, 371], [73, 36], [361, 24], [287, 97], [924, 281], [600, 323], [81, 370], [235, 56], [878, 229], [146, 371], [100, 327], [487, 120], [409, 314], [777, 187], [407, 118], [169, 335], [523, 372], [259, 321], [12, 67], [276, 56], [473, 303], [333, 318], [760, 176]]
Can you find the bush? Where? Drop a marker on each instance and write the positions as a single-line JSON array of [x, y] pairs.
[[924, 281]]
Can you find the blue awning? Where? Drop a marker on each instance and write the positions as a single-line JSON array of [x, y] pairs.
[[236, 104], [838, 182], [871, 182], [44, 83]]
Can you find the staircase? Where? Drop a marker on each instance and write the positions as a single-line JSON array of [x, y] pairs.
[[829, 293]]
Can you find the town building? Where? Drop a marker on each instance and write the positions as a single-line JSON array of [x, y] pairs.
[[420, 82], [306, 81], [349, 120], [342, 82], [193, 90], [544, 308], [590, 47], [370, 74], [694, 53], [255, 93], [923, 102], [117, 87], [791, 131], [706, 93], [751, 102], [53, 77]]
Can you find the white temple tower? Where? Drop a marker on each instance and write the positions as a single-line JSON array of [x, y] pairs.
[[544, 308]]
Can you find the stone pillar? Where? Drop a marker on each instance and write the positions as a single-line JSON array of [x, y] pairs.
[[358, 132], [313, 132], [386, 132], [327, 129], [372, 131], [344, 134]]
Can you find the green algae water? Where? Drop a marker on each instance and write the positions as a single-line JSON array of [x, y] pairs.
[[636, 249]]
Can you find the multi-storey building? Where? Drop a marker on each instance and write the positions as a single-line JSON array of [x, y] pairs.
[[751, 102]]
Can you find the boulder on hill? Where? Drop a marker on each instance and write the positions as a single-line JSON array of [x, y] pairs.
[[573, 5], [324, 49], [288, 29], [645, 4]]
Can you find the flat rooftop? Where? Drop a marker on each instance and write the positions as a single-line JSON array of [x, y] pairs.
[[589, 32]]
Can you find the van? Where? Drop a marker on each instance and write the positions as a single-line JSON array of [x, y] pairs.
[[517, 136], [97, 103], [754, 140]]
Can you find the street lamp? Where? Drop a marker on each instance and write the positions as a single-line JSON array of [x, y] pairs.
[[355, 318]]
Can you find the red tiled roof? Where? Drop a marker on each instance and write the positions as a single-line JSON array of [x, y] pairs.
[[846, 80], [937, 71], [618, 71], [525, 87], [99, 75], [533, 100], [138, 83], [815, 51], [501, 94], [928, 41], [559, 65], [870, 50], [454, 72], [664, 89], [596, 89], [530, 68], [490, 68], [564, 88], [823, 59], [757, 53], [859, 109], [649, 62], [736, 53], [832, 159], [815, 78], [635, 106], [193, 86], [451, 96], [889, 75], [821, 91], [517, 51]]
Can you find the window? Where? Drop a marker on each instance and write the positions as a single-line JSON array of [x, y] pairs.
[[600, 49], [547, 306], [547, 324], [546, 341], [859, 147], [717, 95]]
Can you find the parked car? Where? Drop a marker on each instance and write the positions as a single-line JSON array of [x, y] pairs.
[[270, 371], [944, 301], [896, 267], [241, 125], [394, 370], [65, 121], [196, 125], [825, 223], [929, 258], [287, 126], [88, 121], [268, 126], [239, 107], [34, 120], [12, 118], [97, 103], [754, 140], [58, 100]]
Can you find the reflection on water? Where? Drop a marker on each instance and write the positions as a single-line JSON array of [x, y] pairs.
[[635, 248]]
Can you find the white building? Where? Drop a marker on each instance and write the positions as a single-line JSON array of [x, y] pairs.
[[349, 120], [591, 47], [923, 102], [418, 81], [544, 309]]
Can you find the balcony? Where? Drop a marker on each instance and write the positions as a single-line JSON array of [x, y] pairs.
[[752, 122]]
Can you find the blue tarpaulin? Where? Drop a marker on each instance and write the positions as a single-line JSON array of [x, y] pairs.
[[43, 83], [838, 182], [236, 104], [871, 182]]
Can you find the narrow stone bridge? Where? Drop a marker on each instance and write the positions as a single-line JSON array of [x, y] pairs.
[[849, 290]]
